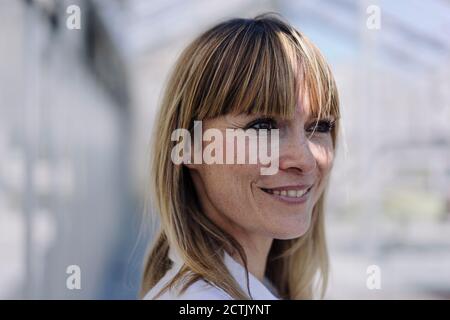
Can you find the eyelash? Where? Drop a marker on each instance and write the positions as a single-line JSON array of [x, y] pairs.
[[271, 122], [322, 126]]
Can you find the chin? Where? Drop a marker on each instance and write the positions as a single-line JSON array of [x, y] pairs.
[[289, 230]]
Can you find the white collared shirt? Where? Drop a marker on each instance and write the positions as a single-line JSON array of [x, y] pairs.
[[201, 290]]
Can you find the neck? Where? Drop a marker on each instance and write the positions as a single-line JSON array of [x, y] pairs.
[[256, 250]]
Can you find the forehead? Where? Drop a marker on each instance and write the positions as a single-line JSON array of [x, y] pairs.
[[303, 107], [310, 107]]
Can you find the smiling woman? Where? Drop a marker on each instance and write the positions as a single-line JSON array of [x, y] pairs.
[[226, 230]]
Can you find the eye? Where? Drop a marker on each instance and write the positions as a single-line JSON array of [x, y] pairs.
[[262, 123], [321, 126]]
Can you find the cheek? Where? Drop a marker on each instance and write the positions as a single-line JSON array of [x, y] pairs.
[[229, 186], [323, 152], [324, 158]]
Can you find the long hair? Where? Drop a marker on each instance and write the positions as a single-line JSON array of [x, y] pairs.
[[258, 65]]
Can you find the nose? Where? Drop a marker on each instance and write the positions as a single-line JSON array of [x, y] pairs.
[[296, 155]]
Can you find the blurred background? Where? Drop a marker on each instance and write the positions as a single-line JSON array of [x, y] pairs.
[[76, 113]]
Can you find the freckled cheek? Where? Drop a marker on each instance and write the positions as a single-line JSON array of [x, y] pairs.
[[325, 161], [324, 155], [244, 160], [233, 180], [230, 189]]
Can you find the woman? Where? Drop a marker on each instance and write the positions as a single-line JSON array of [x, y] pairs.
[[226, 230]]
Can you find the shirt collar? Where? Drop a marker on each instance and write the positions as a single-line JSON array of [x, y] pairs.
[[258, 290]]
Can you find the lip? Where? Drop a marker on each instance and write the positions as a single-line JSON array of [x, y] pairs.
[[292, 187], [290, 200]]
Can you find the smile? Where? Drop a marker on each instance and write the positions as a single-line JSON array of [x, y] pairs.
[[290, 194]]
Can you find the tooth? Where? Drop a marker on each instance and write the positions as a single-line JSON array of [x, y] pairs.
[[299, 193], [277, 192], [283, 193], [292, 193]]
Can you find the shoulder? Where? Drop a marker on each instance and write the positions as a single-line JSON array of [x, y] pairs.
[[199, 290]]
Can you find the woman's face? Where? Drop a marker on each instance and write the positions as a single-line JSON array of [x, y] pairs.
[[241, 200]]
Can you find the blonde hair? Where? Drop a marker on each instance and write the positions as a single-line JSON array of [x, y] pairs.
[[258, 65]]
